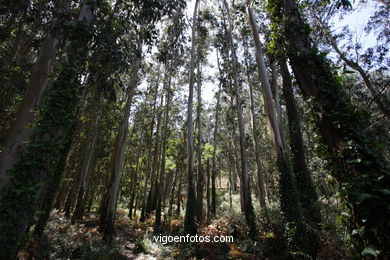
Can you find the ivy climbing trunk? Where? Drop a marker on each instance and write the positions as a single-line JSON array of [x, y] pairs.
[[289, 199], [49, 143], [307, 193], [357, 163], [20, 131]]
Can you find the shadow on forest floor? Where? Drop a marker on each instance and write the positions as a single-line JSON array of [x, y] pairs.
[[134, 240]]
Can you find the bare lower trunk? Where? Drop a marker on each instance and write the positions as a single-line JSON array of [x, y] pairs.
[[117, 158], [245, 188], [160, 187], [214, 167], [81, 187], [289, 199], [200, 176], [189, 220], [260, 171]]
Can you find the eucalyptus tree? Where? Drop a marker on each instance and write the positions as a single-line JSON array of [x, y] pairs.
[[189, 220], [353, 156], [255, 133], [19, 131], [245, 187], [170, 50], [289, 196], [23, 27], [355, 59], [144, 16], [43, 157]]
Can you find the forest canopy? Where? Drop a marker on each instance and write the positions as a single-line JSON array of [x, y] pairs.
[[265, 124]]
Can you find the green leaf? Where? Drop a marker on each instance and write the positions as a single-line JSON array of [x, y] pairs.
[[370, 251]]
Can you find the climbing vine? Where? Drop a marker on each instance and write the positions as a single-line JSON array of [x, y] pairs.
[[353, 155]]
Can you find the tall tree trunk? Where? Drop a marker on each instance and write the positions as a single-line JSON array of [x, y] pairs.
[[249, 212], [172, 195], [260, 171], [200, 176], [49, 142], [236, 158], [117, 157], [150, 206], [85, 170], [358, 164], [297, 241], [160, 187], [208, 204], [308, 193], [180, 174], [148, 177], [20, 131], [214, 166], [189, 220]]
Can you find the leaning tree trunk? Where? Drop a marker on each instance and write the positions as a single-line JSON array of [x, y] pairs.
[[355, 159], [20, 131], [308, 193], [289, 200], [380, 101], [49, 144], [85, 170], [189, 220], [117, 157], [260, 171]]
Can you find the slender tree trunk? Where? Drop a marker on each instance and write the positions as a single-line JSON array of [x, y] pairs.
[[148, 176], [160, 188], [260, 171], [150, 206], [117, 157], [208, 205], [308, 193], [214, 166], [236, 159], [81, 186], [20, 131], [180, 174], [249, 212], [189, 220], [297, 241], [172, 195], [200, 176]]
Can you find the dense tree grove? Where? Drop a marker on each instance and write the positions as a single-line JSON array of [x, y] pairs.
[[122, 121]]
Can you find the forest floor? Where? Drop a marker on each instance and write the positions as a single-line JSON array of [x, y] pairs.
[[134, 240]]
